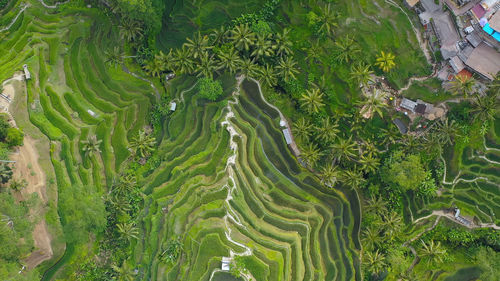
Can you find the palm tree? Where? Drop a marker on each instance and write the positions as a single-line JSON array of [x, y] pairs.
[[268, 75], [5, 173], [385, 61], [353, 178], [219, 36], [248, 67], [411, 143], [125, 272], [376, 205], [369, 163], [282, 43], [329, 175], [302, 129], [361, 73], [182, 61], [432, 252], [119, 202], [114, 56], [311, 155], [373, 105], [374, 261], [327, 131], [128, 230], [447, 131], [313, 52], [172, 252], [91, 145], [153, 67], [328, 20], [485, 108], [198, 45], [207, 66], [344, 149], [130, 30], [346, 49], [263, 47], [389, 135], [287, 68], [229, 60], [393, 223], [242, 37], [142, 145], [463, 85], [371, 237], [312, 101], [433, 143], [165, 60]]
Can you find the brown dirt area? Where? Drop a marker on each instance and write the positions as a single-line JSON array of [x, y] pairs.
[[27, 167]]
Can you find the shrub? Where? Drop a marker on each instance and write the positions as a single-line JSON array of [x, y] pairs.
[[209, 88], [14, 137]]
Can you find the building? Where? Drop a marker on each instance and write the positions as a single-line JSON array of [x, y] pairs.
[[226, 263], [447, 34], [92, 113], [169, 76], [27, 74], [173, 106], [474, 39], [288, 136], [408, 105], [457, 64], [401, 126], [484, 60], [489, 4], [411, 3]]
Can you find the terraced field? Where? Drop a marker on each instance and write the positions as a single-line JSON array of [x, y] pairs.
[[230, 187], [471, 181], [73, 93]]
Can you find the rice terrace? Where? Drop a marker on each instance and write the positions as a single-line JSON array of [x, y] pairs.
[[240, 140]]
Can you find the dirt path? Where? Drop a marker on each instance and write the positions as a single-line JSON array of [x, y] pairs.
[[15, 18]]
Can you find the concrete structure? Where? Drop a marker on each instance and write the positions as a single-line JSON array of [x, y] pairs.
[[27, 74], [447, 34], [457, 64], [484, 60], [282, 123], [173, 106], [288, 136], [92, 113], [474, 39], [412, 3], [169, 76], [226, 263], [494, 21], [488, 4]]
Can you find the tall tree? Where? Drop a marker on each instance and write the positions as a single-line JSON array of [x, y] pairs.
[[343, 149], [353, 177], [432, 252], [130, 30], [268, 75], [283, 45], [219, 36], [249, 68], [229, 60], [114, 56], [373, 104], [346, 49], [374, 262], [385, 61], [182, 61], [447, 130], [287, 68], [263, 47], [312, 101], [371, 237], [153, 67], [393, 224], [485, 108], [302, 129], [207, 66], [143, 144], [128, 231], [198, 45], [361, 73], [329, 175], [5, 173], [125, 272], [376, 205], [463, 85], [311, 155], [242, 37], [369, 163], [328, 20], [166, 61], [91, 145], [328, 131]]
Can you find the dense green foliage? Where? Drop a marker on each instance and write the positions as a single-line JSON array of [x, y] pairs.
[[209, 88]]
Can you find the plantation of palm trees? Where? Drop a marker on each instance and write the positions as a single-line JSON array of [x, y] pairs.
[[141, 188]]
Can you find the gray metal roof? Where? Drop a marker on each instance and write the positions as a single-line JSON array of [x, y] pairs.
[[288, 136], [401, 126]]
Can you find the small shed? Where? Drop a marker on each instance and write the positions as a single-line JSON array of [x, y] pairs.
[[401, 126], [288, 136], [169, 76], [27, 74], [91, 113], [474, 39], [408, 104], [173, 106], [226, 263], [420, 108], [456, 64], [283, 123]]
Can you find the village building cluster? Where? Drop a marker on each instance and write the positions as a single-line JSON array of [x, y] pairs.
[[466, 33]]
